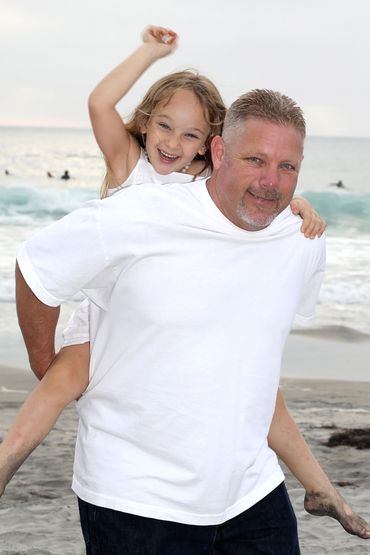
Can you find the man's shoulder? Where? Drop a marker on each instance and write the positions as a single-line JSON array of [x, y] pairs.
[[287, 226], [286, 223], [151, 198]]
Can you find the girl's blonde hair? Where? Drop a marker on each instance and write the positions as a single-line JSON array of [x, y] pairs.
[[161, 92]]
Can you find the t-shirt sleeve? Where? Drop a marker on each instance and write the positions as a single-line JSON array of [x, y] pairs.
[[66, 256], [77, 329], [310, 294]]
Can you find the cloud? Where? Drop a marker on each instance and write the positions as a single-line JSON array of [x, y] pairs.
[[316, 52], [16, 23], [325, 120]]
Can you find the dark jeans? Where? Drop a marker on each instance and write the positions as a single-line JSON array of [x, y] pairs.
[[267, 528]]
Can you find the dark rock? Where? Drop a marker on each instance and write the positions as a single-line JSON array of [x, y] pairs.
[[355, 437]]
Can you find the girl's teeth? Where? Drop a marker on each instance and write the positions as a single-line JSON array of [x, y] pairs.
[[169, 156]]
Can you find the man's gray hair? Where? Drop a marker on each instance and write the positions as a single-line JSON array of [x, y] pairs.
[[267, 105]]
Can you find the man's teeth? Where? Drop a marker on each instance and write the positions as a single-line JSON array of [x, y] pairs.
[[263, 197], [166, 155]]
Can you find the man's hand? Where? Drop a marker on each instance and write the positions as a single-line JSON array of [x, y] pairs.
[[38, 323]]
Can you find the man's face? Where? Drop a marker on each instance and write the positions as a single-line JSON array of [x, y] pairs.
[[256, 172]]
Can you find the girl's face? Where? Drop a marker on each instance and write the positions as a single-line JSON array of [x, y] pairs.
[[176, 132]]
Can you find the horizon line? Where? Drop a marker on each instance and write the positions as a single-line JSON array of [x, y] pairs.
[[82, 128]]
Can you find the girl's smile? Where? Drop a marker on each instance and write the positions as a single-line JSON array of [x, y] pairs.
[[176, 132]]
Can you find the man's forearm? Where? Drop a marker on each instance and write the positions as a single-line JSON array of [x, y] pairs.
[[38, 323]]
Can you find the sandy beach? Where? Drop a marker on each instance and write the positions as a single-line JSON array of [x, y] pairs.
[[38, 513]]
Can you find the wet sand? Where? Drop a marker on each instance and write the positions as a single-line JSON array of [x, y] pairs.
[[38, 512]]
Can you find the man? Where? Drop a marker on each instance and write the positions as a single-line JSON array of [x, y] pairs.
[[194, 289]]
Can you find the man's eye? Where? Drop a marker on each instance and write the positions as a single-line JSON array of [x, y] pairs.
[[287, 166], [254, 160]]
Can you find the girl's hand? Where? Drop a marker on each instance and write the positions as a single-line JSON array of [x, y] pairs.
[[161, 38], [313, 225]]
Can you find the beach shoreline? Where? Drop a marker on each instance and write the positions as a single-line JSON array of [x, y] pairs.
[[38, 512], [330, 353]]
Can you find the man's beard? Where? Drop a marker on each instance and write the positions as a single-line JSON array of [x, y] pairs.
[[259, 219]]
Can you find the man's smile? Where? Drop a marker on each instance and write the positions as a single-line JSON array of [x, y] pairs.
[[264, 196]]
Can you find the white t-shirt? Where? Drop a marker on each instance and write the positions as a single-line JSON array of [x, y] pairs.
[[77, 329], [188, 323]]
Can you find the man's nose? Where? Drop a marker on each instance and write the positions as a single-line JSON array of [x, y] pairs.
[[269, 177]]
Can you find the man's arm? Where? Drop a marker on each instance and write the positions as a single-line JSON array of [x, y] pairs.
[[38, 322]]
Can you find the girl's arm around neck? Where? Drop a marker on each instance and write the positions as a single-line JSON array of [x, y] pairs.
[[313, 225]]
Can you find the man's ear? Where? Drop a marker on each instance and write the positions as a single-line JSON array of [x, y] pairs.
[[300, 163], [217, 151]]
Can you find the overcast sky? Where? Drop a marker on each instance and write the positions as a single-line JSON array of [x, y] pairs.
[[317, 51]]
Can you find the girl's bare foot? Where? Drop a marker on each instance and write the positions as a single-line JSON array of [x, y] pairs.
[[332, 504]]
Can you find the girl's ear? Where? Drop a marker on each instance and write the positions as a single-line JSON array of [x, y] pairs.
[[144, 126], [202, 150]]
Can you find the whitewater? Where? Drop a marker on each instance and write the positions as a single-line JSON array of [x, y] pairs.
[[30, 200]]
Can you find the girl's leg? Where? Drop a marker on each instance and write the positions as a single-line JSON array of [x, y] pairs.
[[321, 497], [65, 380]]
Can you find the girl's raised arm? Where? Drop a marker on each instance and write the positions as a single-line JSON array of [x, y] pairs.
[[120, 149]]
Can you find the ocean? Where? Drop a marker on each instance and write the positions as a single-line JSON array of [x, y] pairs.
[[29, 200]]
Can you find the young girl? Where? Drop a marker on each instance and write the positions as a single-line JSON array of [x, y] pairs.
[[167, 140]]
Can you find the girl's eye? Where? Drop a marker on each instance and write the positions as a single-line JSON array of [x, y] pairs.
[[163, 125], [192, 136]]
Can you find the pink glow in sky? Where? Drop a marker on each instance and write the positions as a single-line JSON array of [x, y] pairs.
[[53, 54]]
